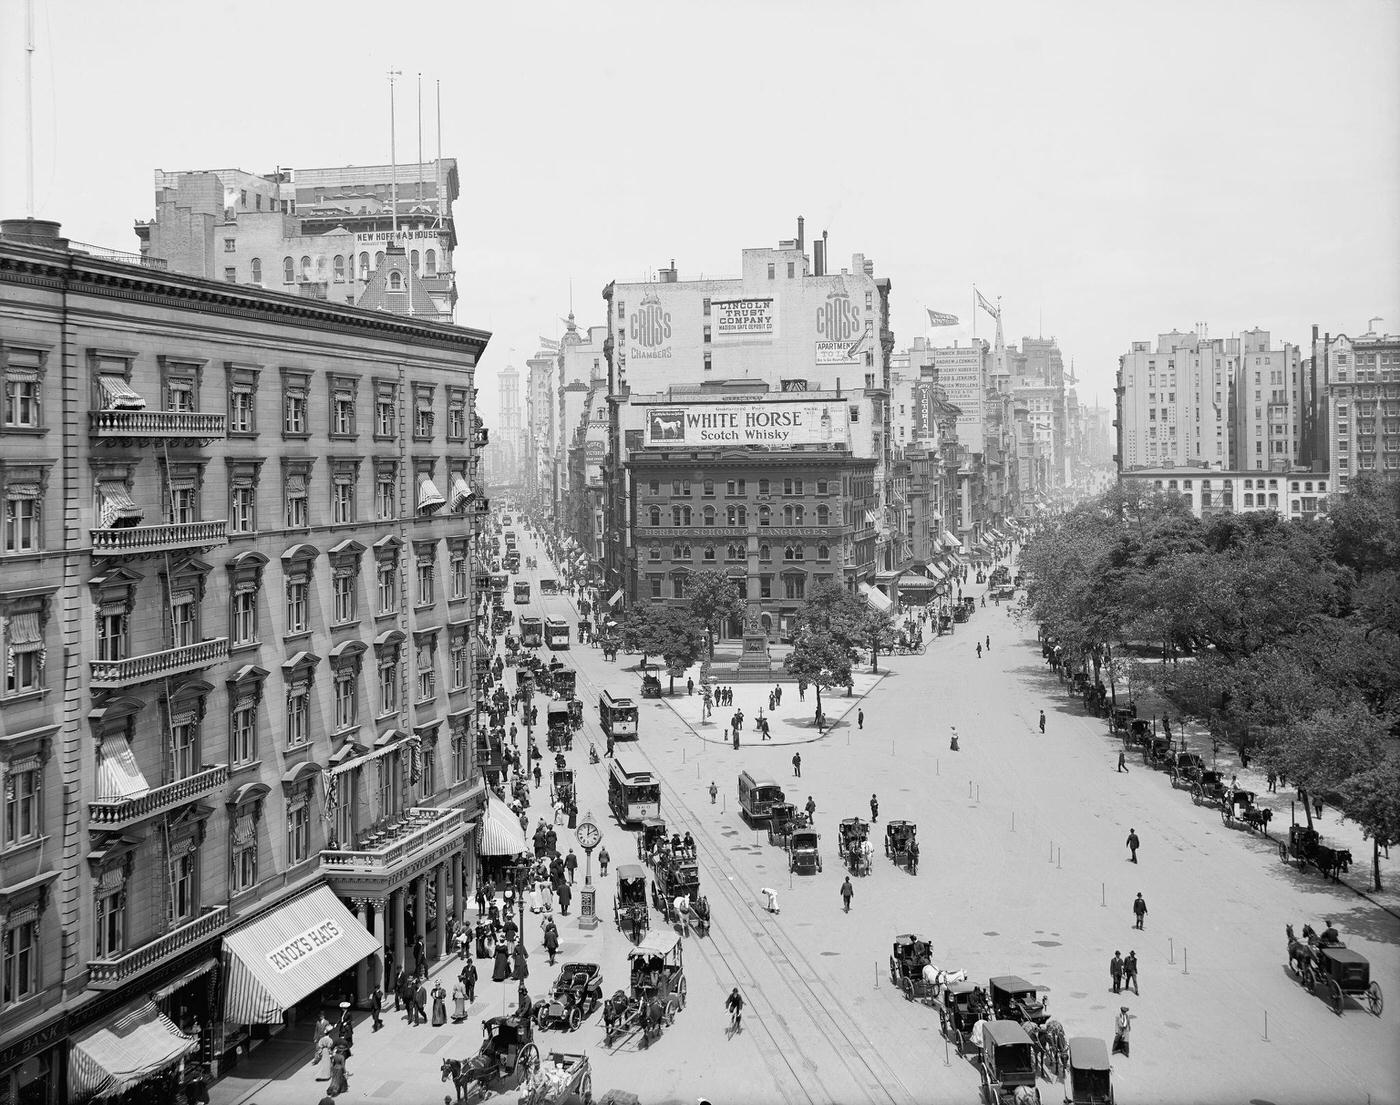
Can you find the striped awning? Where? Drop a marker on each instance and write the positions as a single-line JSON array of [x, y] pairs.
[[876, 599], [275, 961], [118, 1054], [118, 774], [460, 492], [501, 834], [429, 497], [951, 543], [912, 581], [117, 395], [118, 507]]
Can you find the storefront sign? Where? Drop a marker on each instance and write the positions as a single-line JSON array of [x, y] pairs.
[[381, 237], [298, 948], [752, 317], [774, 424]]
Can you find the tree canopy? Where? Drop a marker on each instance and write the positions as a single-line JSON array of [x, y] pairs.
[[713, 597]]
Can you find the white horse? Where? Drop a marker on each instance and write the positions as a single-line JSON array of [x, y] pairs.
[[867, 856], [680, 910], [940, 978]]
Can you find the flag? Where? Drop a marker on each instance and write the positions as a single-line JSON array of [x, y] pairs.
[[859, 346], [938, 318], [549, 344], [995, 312], [616, 597]]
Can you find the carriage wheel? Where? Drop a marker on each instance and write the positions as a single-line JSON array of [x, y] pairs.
[[1305, 977], [681, 993], [573, 1018], [908, 989], [673, 1007], [1335, 995], [1225, 814], [894, 975], [1374, 1001], [585, 1090], [528, 1064], [1198, 794], [1283, 851]]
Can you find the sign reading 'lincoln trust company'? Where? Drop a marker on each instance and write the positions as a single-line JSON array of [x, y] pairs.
[[742, 316], [299, 948], [773, 424]]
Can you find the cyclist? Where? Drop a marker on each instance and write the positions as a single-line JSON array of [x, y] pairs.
[[735, 1004]]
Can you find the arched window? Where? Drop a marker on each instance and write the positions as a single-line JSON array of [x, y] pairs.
[[339, 268], [799, 514], [736, 516], [823, 515], [320, 268], [378, 259], [655, 515], [396, 281], [255, 270], [787, 516], [289, 272], [413, 259], [306, 268], [765, 553], [364, 266], [823, 552], [765, 516], [735, 552], [708, 515], [431, 258], [709, 552], [680, 516], [792, 552]]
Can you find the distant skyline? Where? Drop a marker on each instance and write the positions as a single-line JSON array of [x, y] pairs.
[[1111, 171]]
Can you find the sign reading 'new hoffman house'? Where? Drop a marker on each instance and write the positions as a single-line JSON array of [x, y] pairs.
[[781, 424]]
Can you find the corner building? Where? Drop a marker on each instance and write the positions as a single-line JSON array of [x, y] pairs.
[[237, 607]]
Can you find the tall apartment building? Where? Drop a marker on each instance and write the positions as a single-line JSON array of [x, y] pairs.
[[237, 609], [1265, 435], [1174, 401], [319, 233], [1363, 405]]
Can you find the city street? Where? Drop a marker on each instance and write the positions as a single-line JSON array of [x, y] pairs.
[[1023, 871]]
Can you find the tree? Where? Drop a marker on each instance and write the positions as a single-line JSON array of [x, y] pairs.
[[1371, 798], [714, 597], [819, 659], [875, 629], [670, 632]]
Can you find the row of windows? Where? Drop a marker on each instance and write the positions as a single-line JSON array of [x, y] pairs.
[[736, 553], [309, 270], [794, 515], [794, 586], [790, 486]]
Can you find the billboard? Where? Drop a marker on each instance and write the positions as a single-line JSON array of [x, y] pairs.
[[742, 317], [962, 375], [771, 424]]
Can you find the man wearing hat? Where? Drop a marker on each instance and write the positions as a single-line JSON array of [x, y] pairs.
[[1121, 1027]]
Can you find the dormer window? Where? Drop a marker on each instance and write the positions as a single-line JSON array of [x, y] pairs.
[[396, 281]]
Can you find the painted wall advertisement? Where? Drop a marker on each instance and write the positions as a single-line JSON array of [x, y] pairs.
[[840, 331], [772, 424], [742, 317], [649, 330]]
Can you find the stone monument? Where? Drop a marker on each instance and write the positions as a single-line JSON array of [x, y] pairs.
[[755, 655]]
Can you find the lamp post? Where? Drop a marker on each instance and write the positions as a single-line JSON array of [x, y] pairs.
[[588, 836]]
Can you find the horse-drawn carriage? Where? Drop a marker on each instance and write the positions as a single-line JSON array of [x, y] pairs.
[[1121, 718], [652, 840], [1304, 846], [1239, 806], [630, 905], [1009, 1064], [577, 992], [561, 729], [909, 956], [1209, 789], [576, 713], [1157, 751], [960, 1006], [672, 878], [902, 845], [563, 1078], [561, 787], [656, 992], [507, 1050], [1015, 999], [565, 682], [1334, 969], [1186, 768], [782, 818], [1090, 1079], [609, 643], [804, 851], [1139, 732], [853, 845]]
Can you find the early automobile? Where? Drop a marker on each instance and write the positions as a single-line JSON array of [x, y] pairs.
[[804, 851]]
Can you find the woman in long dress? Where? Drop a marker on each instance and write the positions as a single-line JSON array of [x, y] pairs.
[[501, 971], [459, 1003], [536, 905], [339, 1076], [439, 1005], [546, 897], [522, 968], [324, 1047]]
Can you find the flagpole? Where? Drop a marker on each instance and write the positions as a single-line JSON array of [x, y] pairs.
[[974, 312]]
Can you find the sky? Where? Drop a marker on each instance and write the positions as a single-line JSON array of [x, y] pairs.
[[1111, 170]]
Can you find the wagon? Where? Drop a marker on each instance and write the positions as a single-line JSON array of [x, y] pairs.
[[561, 787], [1337, 971], [1121, 718], [672, 878], [1015, 999], [1236, 806], [1209, 789], [565, 682], [576, 713], [908, 958], [562, 1078], [1186, 768], [1008, 1063], [804, 851], [577, 992], [507, 1048], [781, 816], [1139, 732], [902, 845], [561, 729], [657, 972], [852, 845], [652, 839], [630, 905], [1090, 1076], [1157, 751], [960, 1007]]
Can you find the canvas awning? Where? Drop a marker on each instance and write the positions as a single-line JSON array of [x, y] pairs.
[[875, 598], [275, 961], [912, 581], [429, 497], [118, 774], [117, 395], [501, 834], [951, 543], [118, 507], [116, 1055], [461, 491]]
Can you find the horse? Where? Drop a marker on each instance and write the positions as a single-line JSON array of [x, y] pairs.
[[1300, 952], [1257, 817], [615, 1011], [699, 915], [680, 913], [941, 978], [1052, 1046], [1332, 862], [867, 853], [464, 1075], [653, 1017]]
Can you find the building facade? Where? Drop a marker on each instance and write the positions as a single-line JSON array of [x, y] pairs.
[[1174, 401], [1363, 405], [238, 610], [1265, 435], [1297, 495], [504, 457]]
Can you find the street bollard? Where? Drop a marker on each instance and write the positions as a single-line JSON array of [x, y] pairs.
[[1171, 951], [945, 1052], [1266, 1026], [1057, 859], [979, 792], [1184, 969], [1013, 821], [969, 788], [1052, 851], [877, 974], [1103, 895]]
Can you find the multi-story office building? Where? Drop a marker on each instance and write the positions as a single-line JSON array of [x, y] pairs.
[[540, 420], [1295, 495], [320, 233], [1265, 404], [237, 610], [1363, 405], [504, 457], [1174, 401]]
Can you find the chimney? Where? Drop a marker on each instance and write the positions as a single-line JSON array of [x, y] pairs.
[[801, 222], [826, 254], [34, 232]]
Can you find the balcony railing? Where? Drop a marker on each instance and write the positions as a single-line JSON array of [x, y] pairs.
[[109, 815], [158, 424], [422, 829], [107, 254], [481, 437], [110, 674], [133, 540], [108, 974]]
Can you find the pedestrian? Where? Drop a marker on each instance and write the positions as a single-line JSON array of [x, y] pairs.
[[521, 970], [874, 809], [339, 1083], [847, 893], [1271, 780], [714, 793], [571, 865], [690, 686], [1115, 971], [551, 939], [1130, 971], [420, 1000], [1317, 805], [1122, 761], [376, 1006], [1121, 1027], [603, 856], [459, 1003], [953, 743], [565, 897], [439, 1005], [979, 650], [468, 977], [480, 899], [1133, 843], [1139, 910], [400, 988], [420, 956], [323, 1028], [989, 642], [1042, 721], [797, 764], [811, 809], [771, 896], [322, 1058], [860, 719]]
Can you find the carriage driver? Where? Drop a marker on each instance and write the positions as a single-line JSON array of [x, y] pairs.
[[1329, 937]]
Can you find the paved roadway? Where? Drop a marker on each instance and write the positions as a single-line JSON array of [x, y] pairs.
[[1024, 871]]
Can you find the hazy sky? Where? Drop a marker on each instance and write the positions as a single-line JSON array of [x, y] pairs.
[[1113, 168]]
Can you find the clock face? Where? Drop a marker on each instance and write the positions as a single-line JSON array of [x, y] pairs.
[[588, 835]]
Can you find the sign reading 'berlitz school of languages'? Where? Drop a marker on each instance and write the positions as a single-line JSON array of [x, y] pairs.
[[298, 948], [777, 424]]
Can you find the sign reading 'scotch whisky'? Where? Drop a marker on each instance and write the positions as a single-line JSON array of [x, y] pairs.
[[774, 424]]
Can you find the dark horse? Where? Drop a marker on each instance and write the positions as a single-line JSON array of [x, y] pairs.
[[1332, 862], [1301, 956], [464, 1074], [616, 1011], [653, 1017]]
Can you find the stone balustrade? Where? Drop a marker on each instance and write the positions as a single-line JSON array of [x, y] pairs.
[[112, 814], [133, 540], [158, 424], [111, 674], [109, 974], [427, 827]]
